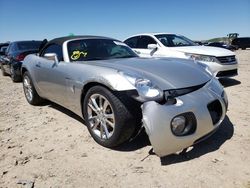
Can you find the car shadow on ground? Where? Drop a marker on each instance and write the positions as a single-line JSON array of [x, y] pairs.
[[213, 143], [136, 143], [139, 141], [227, 82], [64, 110]]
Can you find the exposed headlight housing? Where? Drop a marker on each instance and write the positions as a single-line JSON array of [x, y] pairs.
[[173, 93], [146, 89]]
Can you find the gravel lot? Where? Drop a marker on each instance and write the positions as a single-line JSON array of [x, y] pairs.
[[48, 146]]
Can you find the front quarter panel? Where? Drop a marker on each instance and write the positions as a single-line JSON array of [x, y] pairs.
[[157, 119]]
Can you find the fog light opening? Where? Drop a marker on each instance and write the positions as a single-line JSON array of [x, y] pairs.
[[183, 124], [178, 125]]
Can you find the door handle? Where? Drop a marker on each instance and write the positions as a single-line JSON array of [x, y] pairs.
[[38, 64]]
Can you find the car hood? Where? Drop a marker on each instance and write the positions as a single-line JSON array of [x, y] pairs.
[[204, 50], [165, 73]]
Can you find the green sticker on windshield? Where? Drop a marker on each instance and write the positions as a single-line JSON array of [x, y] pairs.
[[77, 54]]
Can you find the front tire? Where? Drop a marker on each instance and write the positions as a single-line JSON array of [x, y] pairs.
[[108, 119], [29, 90]]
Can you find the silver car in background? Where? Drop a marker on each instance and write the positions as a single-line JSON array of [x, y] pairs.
[[177, 101]]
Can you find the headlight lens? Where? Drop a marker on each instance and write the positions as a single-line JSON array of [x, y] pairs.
[[145, 88], [198, 57]]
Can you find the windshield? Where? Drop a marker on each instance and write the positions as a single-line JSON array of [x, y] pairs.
[[28, 45], [171, 40], [98, 49]]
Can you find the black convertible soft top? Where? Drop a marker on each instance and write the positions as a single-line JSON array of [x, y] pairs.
[[61, 40]]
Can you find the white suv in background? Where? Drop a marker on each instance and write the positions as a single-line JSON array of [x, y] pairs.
[[222, 62]]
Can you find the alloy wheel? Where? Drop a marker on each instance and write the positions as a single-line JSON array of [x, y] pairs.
[[27, 88], [101, 116]]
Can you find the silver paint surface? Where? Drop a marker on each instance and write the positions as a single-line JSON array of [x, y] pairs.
[[63, 83], [157, 118]]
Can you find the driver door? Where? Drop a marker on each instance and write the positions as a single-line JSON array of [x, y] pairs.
[[50, 74]]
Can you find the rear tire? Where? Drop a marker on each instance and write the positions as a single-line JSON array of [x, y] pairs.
[[108, 119], [14, 77], [29, 90]]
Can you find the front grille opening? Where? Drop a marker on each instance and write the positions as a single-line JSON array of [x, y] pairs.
[[227, 73], [215, 111], [226, 59]]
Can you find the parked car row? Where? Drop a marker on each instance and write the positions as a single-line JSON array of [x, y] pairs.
[[14, 55], [223, 45], [178, 101], [222, 62], [242, 42]]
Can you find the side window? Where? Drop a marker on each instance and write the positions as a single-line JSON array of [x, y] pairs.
[[132, 42], [179, 42], [54, 48], [144, 41], [10, 48]]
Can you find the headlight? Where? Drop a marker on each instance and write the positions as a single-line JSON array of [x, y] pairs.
[[145, 88], [198, 57]]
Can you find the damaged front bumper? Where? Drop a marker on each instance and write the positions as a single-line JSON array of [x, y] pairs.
[[202, 103]]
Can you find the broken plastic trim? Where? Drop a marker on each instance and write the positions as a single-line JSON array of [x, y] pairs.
[[171, 94]]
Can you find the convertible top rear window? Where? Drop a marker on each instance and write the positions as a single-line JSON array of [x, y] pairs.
[[98, 49]]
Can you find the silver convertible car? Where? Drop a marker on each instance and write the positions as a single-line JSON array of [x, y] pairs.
[[177, 101]]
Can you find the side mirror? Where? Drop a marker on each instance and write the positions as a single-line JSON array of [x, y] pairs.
[[51, 56], [152, 46]]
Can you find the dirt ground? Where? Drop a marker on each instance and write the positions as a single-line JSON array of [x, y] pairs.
[[48, 146]]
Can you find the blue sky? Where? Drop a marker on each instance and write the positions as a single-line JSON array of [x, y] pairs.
[[195, 19]]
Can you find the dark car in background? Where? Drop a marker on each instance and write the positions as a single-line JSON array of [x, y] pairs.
[[3, 47], [14, 56], [223, 45], [242, 42]]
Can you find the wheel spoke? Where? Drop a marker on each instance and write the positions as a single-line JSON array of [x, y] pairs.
[[101, 116], [93, 108], [110, 123], [95, 104], [105, 105], [100, 102], [95, 124], [105, 129], [101, 131], [93, 118], [25, 83], [110, 116]]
